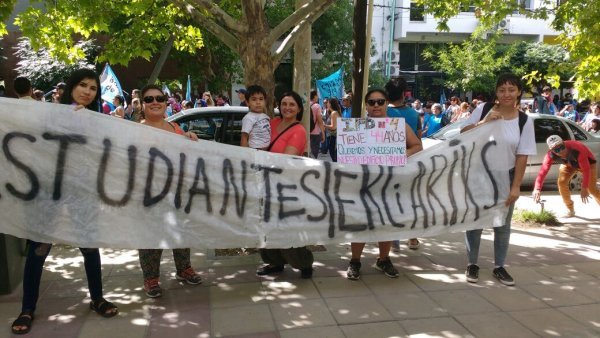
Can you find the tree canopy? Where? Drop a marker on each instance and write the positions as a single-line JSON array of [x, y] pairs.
[[575, 19]]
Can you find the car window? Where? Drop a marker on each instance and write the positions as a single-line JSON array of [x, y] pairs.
[[577, 132], [233, 130], [544, 127], [204, 126]]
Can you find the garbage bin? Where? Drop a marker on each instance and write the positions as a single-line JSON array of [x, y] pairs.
[[12, 260]]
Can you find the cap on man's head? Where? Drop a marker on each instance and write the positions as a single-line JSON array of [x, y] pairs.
[[553, 141], [346, 97], [241, 91]]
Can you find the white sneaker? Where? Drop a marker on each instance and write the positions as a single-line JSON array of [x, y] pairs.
[[569, 214]]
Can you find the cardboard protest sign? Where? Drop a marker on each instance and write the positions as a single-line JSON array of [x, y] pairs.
[[90, 180]]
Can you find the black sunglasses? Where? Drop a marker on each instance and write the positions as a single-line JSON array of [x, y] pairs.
[[379, 102], [159, 98], [558, 148]]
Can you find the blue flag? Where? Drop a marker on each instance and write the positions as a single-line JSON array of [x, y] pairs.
[[109, 85], [331, 86], [443, 98], [188, 92]]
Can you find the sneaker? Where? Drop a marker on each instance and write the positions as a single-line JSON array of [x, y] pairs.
[[189, 276], [152, 288], [413, 243], [353, 272], [472, 273], [396, 246], [269, 269], [569, 214], [387, 267], [306, 273], [502, 275]]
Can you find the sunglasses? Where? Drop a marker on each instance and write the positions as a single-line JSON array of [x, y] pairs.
[[158, 98], [558, 149], [379, 102]]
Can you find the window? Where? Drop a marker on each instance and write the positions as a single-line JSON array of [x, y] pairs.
[[577, 132], [417, 12], [524, 4], [546, 127]]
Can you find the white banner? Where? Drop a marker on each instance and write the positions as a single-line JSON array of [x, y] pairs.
[[371, 141], [89, 180]]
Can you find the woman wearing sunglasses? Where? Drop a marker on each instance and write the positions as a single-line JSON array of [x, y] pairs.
[[154, 107], [376, 100], [521, 143], [573, 157], [82, 91]]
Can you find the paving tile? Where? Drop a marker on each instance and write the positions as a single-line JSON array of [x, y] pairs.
[[589, 288], [255, 335], [330, 287], [552, 323], [293, 290], [241, 320], [116, 327], [230, 274], [457, 302], [313, 332], [405, 305], [438, 280], [435, 327], [172, 321], [564, 273], [590, 268], [494, 324], [301, 313], [511, 299], [226, 295], [585, 314], [354, 310], [558, 294], [383, 286], [374, 330]]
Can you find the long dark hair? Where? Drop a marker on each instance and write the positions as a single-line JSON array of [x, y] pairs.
[[76, 77], [296, 98], [335, 105]]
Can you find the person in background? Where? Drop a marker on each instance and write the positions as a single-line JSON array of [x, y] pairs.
[[137, 114], [376, 102], [119, 111], [242, 96], [207, 97], [462, 113], [317, 134], [38, 95], [256, 128], [22, 87], [573, 157], [154, 111], [346, 111], [521, 144], [418, 106], [82, 91], [333, 113], [288, 136], [435, 122], [595, 128], [58, 92], [569, 112], [542, 103]]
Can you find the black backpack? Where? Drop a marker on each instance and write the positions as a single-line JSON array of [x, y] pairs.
[[522, 116], [312, 119]]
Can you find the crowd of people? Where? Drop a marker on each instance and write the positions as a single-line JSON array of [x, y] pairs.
[[285, 134]]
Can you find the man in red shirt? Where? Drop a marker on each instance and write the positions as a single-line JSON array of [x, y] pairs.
[[573, 157]]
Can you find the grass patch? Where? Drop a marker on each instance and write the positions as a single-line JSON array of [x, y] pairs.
[[544, 217]]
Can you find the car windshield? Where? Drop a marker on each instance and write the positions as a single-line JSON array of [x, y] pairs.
[[450, 131]]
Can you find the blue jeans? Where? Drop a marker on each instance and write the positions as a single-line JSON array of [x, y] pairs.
[[501, 238], [34, 266]]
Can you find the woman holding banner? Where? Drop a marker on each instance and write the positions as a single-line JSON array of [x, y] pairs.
[[376, 100], [155, 106], [288, 136], [82, 91], [518, 130]]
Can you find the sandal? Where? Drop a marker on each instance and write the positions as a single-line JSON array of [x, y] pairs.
[[25, 319], [104, 308]]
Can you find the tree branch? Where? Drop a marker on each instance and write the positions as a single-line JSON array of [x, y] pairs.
[[230, 23], [311, 10], [229, 39], [302, 19]]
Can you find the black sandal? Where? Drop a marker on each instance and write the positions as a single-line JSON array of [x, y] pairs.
[[102, 306], [24, 319]]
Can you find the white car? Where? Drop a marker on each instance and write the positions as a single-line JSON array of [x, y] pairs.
[[544, 126]]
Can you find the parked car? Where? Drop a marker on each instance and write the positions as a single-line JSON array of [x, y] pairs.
[[220, 124], [544, 126]]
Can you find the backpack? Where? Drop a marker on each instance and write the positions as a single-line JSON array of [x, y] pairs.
[[312, 119], [522, 116]]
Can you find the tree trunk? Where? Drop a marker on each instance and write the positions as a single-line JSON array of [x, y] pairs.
[[302, 63], [161, 60], [358, 55]]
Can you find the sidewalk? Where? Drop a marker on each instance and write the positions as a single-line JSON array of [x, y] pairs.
[[557, 294]]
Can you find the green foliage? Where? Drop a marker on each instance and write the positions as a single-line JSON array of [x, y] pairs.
[[377, 78], [544, 217], [44, 70], [576, 19], [137, 28], [6, 8]]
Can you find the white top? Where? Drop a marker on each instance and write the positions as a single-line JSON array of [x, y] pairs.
[[518, 143], [258, 128]]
